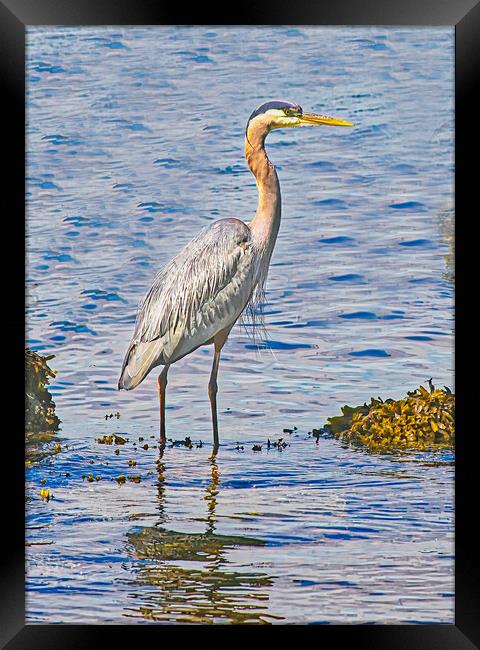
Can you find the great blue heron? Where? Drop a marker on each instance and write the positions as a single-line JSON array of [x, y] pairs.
[[199, 295]]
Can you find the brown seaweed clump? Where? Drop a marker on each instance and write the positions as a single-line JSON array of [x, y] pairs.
[[114, 439], [422, 421], [39, 407]]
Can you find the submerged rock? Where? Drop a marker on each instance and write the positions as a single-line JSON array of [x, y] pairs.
[[40, 414], [422, 421]]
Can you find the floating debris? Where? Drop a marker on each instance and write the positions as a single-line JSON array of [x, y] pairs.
[[279, 444], [45, 494], [108, 416], [181, 443], [121, 479], [257, 448], [134, 479], [112, 439], [423, 421], [132, 463]]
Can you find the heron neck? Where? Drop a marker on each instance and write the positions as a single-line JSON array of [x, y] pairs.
[[266, 222]]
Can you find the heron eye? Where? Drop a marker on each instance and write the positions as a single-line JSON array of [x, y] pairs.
[[291, 112]]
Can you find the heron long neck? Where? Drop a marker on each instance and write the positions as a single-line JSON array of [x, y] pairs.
[[266, 222]]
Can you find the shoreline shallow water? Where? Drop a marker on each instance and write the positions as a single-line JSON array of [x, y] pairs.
[[308, 534]]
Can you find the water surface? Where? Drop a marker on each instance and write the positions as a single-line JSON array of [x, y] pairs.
[[134, 142]]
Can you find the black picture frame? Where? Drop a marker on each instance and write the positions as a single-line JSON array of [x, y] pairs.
[[15, 15]]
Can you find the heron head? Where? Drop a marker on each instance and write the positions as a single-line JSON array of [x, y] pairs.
[[279, 114]]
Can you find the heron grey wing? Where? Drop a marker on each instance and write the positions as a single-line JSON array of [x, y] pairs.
[[192, 280], [192, 298]]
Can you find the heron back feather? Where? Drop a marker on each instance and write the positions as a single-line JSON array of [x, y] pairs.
[[199, 292]]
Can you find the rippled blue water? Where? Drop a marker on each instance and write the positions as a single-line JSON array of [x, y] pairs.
[[135, 141]]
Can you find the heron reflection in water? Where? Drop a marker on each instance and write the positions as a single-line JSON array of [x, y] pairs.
[[190, 577], [199, 295]]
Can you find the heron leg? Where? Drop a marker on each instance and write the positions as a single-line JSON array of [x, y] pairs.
[[162, 385], [219, 342], [212, 394]]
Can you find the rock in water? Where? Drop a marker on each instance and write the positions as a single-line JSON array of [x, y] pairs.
[[422, 421], [39, 407]]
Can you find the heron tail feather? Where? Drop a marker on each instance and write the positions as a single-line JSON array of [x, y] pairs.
[[139, 360]]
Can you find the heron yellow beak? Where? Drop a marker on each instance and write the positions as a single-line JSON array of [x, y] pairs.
[[313, 118]]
